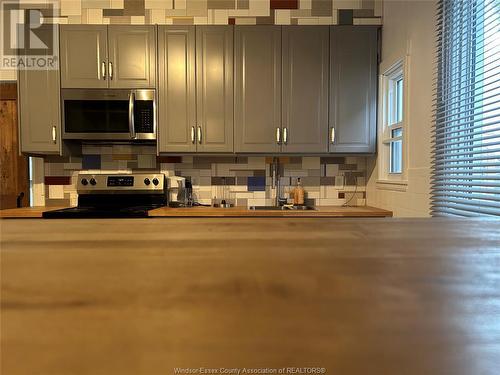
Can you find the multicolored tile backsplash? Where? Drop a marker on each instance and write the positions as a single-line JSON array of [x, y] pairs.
[[327, 181], [243, 180], [222, 12]]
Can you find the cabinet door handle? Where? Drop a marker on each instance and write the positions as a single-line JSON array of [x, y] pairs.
[[199, 135], [110, 70], [103, 67], [278, 135], [285, 135], [332, 135], [54, 134], [193, 140]]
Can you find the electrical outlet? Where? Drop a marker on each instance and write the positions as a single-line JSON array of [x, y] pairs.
[[339, 182]]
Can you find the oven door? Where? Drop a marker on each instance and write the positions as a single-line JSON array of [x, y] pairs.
[[108, 114]]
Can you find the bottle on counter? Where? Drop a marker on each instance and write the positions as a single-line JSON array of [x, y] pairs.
[[188, 194], [298, 194]]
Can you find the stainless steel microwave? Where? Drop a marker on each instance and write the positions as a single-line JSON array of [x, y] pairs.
[[100, 114]]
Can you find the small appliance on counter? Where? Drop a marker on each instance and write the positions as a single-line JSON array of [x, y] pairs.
[[116, 196], [176, 191]]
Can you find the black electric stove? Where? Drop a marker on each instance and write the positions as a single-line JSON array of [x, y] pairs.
[[115, 196]]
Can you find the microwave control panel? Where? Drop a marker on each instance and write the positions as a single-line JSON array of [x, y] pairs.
[[144, 117]]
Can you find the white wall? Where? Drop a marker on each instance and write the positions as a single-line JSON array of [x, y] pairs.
[[409, 29], [8, 75]]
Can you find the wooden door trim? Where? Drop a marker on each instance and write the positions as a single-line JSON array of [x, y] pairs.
[[13, 167], [8, 91]]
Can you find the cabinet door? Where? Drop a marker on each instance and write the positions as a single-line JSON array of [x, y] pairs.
[[84, 56], [177, 95], [39, 114], [132, 56], [257, 88], [353, 89], [214, 88], [305, 89]]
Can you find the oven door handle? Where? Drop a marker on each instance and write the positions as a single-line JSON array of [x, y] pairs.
[[131, 121]]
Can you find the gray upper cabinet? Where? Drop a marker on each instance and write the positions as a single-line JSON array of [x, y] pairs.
[[257, 88], [83, 56], [214, 88], [244, 89], [132, 56], [108, 57], [353, 89], [305, 89], [177, 89], [39, 112]]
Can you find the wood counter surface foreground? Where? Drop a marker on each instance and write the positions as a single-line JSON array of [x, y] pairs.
[[328, 211], [356, 296]]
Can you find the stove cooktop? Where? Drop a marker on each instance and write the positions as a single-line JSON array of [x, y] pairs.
[[115, 196], [100, 212]]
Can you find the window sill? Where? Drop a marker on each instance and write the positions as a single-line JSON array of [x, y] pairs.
[[394, 185]]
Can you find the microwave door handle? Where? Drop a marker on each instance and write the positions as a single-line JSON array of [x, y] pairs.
[[131, 124]]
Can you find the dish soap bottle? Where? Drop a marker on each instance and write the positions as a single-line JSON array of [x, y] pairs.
[[298, 194]]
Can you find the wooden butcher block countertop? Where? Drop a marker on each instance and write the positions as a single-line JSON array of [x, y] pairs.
[[350, 296], [323, 211], [26, 212]]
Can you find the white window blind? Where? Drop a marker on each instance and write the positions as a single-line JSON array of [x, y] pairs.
[[466, 162]]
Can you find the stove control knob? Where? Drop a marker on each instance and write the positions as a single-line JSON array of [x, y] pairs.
[[155, 182], [92, 182], [84, 182], [147, 181]]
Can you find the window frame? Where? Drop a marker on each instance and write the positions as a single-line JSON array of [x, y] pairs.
[[388, 120]]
